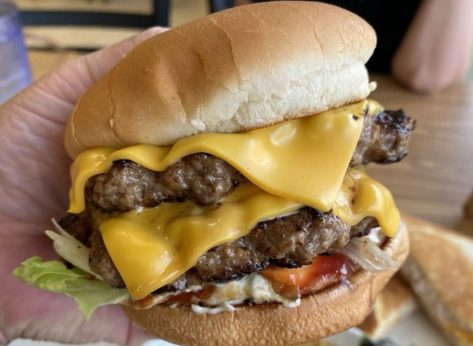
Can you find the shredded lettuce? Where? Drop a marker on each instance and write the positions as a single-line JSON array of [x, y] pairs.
[[89, 293]]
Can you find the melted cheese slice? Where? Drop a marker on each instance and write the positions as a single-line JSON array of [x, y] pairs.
[[153, 248], [361, 196], [302, 160]]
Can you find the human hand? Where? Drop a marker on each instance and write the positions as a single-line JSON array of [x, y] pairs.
[[34, 181]]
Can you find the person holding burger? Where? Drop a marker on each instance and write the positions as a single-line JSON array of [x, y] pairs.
[[217, 187]]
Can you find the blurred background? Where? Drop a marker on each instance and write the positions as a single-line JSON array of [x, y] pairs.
[[71, 26]]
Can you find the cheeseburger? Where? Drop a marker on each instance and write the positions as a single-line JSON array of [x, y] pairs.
[[218, 184]]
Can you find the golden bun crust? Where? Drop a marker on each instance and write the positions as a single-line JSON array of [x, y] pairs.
[[231, 71], [319, 315]]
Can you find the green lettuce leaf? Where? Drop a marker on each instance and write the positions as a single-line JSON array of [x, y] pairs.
[[54, 276]]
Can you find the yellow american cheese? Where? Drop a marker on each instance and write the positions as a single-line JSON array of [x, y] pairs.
[[361, 196], [303, 160]]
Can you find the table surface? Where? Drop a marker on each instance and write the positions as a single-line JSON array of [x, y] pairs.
[[435, 180]]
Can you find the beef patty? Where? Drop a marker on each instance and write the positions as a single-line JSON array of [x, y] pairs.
[[289, 241], [384, 138], [202, 178], [205, 179]]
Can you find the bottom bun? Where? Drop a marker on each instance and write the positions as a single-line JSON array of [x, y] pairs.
[[322, 314]]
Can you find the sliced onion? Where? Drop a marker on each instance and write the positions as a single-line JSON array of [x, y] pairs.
[[69, 248], [364, 252]]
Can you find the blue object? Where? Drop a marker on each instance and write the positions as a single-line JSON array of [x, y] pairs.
[[14, 67]]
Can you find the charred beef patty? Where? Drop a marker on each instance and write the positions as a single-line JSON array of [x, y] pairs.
[[205, 179], [289, 241], [384, 138], [202, 178]]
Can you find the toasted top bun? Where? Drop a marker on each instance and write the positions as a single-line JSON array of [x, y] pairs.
[[440, 272], [231, 71], [325, 313]]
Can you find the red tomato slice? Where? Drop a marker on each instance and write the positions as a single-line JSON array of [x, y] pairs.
[[324, 270]]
